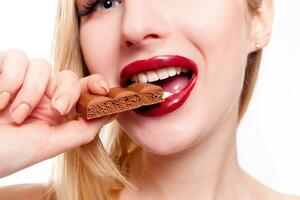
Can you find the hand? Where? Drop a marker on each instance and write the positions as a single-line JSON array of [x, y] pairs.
[[37, 111]]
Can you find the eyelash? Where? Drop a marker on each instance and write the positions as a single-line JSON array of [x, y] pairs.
[[90, 6]]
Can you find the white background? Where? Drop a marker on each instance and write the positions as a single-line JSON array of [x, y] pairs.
[[269, 136]]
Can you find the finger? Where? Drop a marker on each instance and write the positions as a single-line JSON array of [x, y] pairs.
[[64, 91], [34, 86], [94, 84], [1, 60], [13, 68], [44, 112], [42, 141], [75, 133]]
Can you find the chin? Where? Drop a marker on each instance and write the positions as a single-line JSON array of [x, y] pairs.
[[163, 142], [161, 136]]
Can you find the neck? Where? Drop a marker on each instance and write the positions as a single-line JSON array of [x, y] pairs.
[[208, 170]]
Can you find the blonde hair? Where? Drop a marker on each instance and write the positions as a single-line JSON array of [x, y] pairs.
[[98, 170]]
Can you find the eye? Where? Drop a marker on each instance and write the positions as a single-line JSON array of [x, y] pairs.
[[108, 3], [90, 7]]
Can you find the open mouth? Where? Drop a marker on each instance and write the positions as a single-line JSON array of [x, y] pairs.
[[171, 79], [175, 74]]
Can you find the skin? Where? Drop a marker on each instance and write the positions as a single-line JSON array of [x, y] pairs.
[[47, 129], [197, 156], [140, 29]]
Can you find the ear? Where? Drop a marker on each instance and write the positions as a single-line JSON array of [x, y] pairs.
[[261, 25]]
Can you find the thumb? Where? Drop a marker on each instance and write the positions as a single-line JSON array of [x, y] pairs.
[[75, 133], [94, 84]]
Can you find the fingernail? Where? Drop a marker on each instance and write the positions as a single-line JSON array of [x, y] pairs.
[[103, 85], [4, 99], [62, 104], [20, 112]]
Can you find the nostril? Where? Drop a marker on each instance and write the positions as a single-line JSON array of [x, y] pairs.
[[155, 36], [128, 43]]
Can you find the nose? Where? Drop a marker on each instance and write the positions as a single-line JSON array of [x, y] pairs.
[[143, 22]]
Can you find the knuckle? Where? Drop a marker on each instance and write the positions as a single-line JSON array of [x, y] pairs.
[[14, 62], [71, 88], [68, 74], [72, 79], [72, 74], [41, 63], [11, 79], [16, 53]]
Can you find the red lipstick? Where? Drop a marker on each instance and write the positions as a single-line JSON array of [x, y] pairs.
[[172, 102]]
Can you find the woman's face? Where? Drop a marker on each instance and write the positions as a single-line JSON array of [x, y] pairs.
[[212, 33]]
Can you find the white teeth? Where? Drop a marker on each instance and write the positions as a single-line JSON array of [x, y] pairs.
[[142, 78], [167, 94], [159, 74], [152, 76], [171, 71], [162, 73], [178, 70]]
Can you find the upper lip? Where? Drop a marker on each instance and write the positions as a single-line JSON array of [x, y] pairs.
[[153, 63]]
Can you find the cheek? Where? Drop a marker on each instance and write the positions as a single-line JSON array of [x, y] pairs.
[[220, 37], [99, 48], [218, 32]]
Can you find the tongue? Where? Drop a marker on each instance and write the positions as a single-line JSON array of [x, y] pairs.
[[173, 84]]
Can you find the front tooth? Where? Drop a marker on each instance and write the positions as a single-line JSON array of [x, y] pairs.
[[171, 71], [162, 73], [152, 76], [178, 70], [142, 78]]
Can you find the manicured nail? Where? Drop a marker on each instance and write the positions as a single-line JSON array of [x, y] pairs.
[[62, 104], [4, 99], [103, 85], [20, 112]]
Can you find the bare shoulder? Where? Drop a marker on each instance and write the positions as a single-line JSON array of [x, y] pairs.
[[24, 191]]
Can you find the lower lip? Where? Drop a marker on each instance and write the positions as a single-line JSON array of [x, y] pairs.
[[170, 104]]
